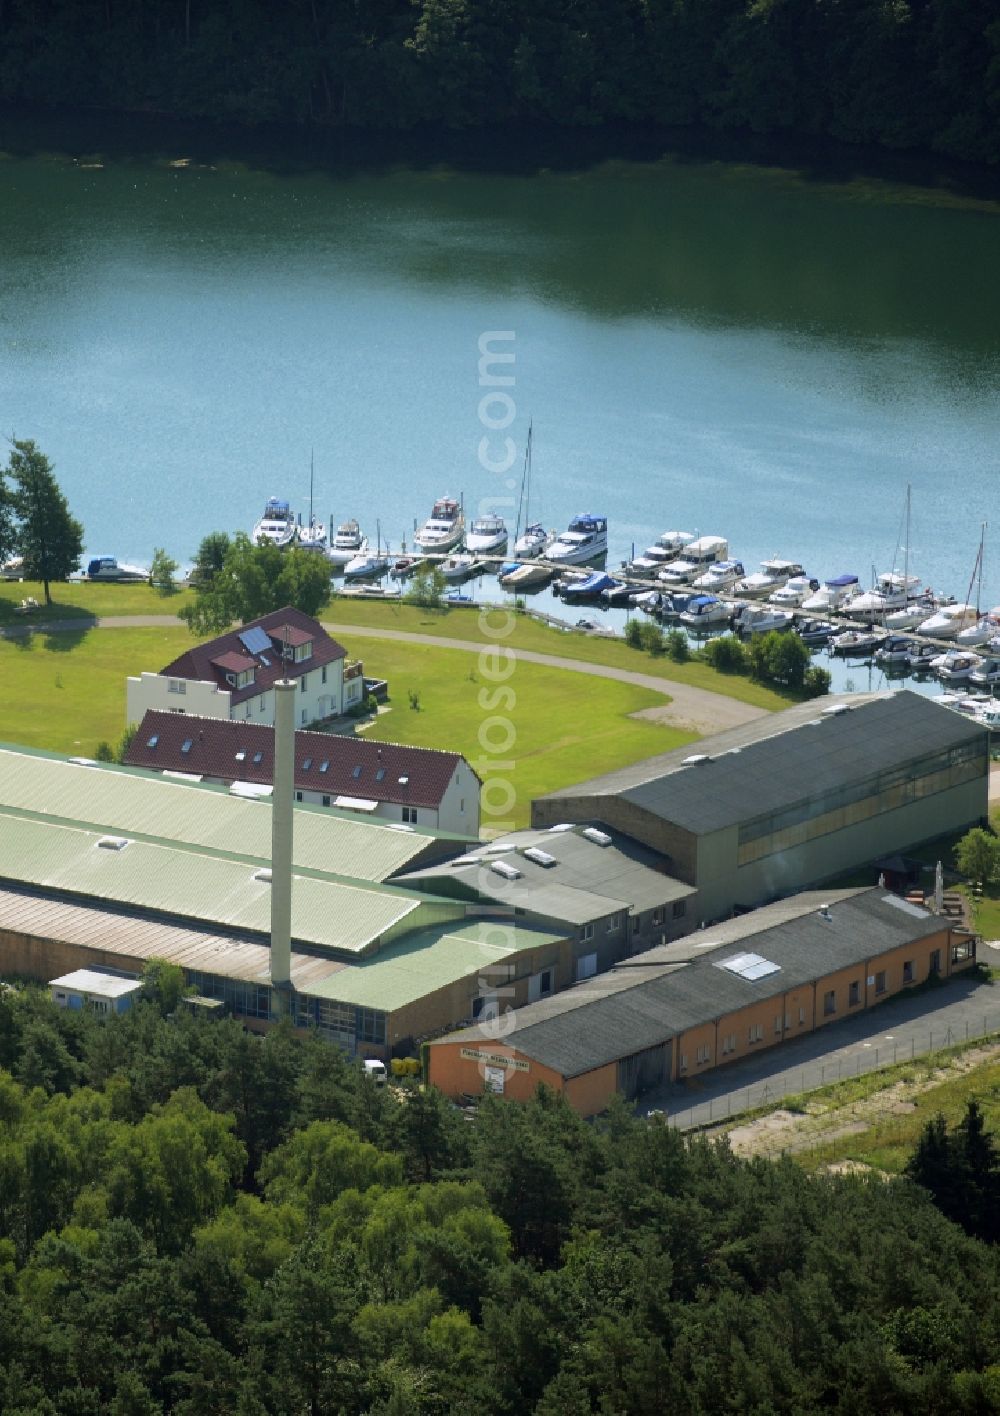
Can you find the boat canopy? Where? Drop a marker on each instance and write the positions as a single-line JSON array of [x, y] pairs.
[[587, 522], [702, 600], [276, 507], [841, 582]]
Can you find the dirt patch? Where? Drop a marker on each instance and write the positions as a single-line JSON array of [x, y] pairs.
[[854, 1167], [787, 1132]]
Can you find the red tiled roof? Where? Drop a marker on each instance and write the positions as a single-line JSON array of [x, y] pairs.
[[287, 625], [216, 742], [234, 663]]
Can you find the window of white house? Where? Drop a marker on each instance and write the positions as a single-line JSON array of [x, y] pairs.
[[262, 703], [298, 796], [326, 801], [322, 677], [177, 686], [302, 683], [244, 678], [303, 718], [303, 651], [410, 814]]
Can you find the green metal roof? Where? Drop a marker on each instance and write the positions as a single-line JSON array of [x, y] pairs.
[[431, 959], [136, 805], [330, 913]]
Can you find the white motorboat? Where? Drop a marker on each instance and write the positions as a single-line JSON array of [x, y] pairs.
[[975, 635], [918, 660], [792, 595], [487, 536], [895, 651], [723, 575], [706, 551], [442, 532], [772, 575], [858, 642], [461, 567], [277, 524], [527, 576], [948, 621], [893, 590], [911, 615], [585, 539], [761, 619], [348, 543], [831, 596], [109, 568], [703, 611], [987, 672], [678, 573], [368, 566], [955, 665]]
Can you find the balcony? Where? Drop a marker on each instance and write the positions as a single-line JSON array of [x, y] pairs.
[[353, 668]]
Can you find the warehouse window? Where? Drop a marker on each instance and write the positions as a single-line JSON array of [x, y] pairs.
[[680, 909], [935, 964], [371, 1025], [880, 982], [908, 971], [755, 1033], [779, 1024], [615, 922], [802, 1017], [684, 1062], [728, 1043], [829, 1002], [657, 917], [587, 932], [854, 994], [703, 1055]]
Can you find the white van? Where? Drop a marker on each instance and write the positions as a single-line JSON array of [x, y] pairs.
[[375, 1071]]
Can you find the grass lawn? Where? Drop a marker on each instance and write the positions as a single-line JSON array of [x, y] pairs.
[[564, 728], [81, 600], [888, 1143], [66, 692], [567, 644]]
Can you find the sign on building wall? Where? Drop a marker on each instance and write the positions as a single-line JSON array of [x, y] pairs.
[[493, 1059], [494, 1078]]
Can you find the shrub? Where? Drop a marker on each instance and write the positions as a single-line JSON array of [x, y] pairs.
[[727, 654], [633, 633], [816, 681], [677, 646]]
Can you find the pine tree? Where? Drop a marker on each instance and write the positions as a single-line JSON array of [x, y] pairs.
[[49, 537]]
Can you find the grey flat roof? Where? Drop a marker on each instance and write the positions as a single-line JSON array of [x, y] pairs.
[[645, 1002], [588, 881], [788, 757]]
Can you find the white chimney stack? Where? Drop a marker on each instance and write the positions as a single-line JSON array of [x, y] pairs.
[[281, 840]]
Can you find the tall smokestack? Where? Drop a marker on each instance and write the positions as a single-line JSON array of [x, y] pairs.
[[281, 839]]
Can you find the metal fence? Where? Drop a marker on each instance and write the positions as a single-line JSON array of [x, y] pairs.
[[807, 1077]]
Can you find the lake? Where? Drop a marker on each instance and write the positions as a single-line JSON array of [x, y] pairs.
[[714, 347]]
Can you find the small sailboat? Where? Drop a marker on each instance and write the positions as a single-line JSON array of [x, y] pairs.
[[533, 539], [983, 630], [313, 536]]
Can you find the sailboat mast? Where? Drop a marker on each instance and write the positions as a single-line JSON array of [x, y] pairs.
[[906, 550], [312, 522], [527, 480]]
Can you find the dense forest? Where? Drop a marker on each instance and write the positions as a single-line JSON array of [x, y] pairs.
[[195, 1221], [902, 74]]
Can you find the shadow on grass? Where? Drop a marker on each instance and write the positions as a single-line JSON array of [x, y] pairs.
[[60, 640]]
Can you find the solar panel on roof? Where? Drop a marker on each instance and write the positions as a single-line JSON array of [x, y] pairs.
[[255, 640]]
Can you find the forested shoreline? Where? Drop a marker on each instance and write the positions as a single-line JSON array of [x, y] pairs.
[[194, 1220], [918, 76]]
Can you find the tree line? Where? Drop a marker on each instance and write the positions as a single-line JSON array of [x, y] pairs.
[[195, 1220], [910, 74]]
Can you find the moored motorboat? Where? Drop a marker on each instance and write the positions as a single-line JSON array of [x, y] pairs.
[[919, 658], [277, 524], [403, 567], [443, 530], [831, 596], [109, 568], [705, 611], [678, 573], [987, 671], [487, 536], [772, 575], [348, 543], [591, 587], [814, 631], [955, 665], [895, 651], [723, 575], [370, 566], [525, 576], [761, 619], [858, 642], [462, 567], [948, 621], [585, 539], [893, 590], [791, 595]]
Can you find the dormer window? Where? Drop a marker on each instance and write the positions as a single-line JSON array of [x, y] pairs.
[[303, 651], [244, 679]]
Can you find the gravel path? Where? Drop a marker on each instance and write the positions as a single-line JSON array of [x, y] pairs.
[[697, 709]]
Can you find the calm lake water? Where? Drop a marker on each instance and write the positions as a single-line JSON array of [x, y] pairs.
[[712, 347]]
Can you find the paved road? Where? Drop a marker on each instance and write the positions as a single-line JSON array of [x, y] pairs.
[[906, 1026], [695, 708]]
